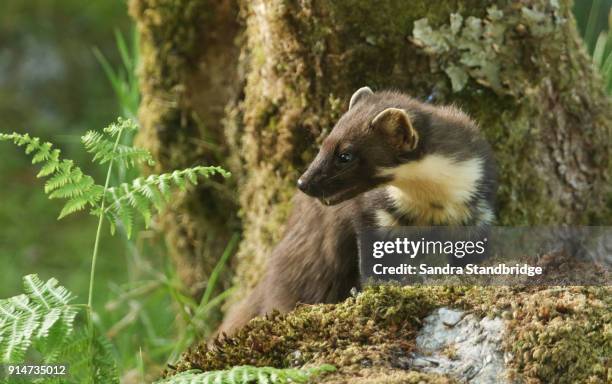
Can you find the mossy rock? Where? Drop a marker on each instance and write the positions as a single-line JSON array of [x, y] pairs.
[[558, 334]]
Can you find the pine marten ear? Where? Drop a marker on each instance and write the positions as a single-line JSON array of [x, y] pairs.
[[360, 94], [396, 124]]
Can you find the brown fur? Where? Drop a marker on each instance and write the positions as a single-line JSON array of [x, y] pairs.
[[394, 142]]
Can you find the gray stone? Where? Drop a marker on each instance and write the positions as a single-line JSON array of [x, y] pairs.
[[463, 346]]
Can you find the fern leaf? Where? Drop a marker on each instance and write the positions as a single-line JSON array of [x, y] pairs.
[[162, 185], [121, 125], [112, 220], [49, 319], [150, 192], [32, 145], [61, 177], [127, 219], [48, 293], [179, 179], [143, 206], [78, 186], [121, 209], [24, 319], [105, 150], [73, 205], [19, 320], [51, 165], [246, 374], [52, 296], [145, 195], [65, 179], [90, 360], [130, 156], [43, 153], [211, 170], [191, 175]]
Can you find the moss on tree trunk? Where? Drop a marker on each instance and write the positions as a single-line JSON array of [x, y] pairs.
[[187, 76]]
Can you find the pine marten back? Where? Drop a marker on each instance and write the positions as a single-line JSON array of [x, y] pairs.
[[389, 161]]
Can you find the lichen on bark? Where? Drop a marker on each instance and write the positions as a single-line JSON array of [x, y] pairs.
[[547, 115]]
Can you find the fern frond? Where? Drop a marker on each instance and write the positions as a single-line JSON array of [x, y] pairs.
[[62, 176], [32, 317], [78, 185], [145, 195], [51, 165], [122, 125], [75, 204], [246, 374], [65, 179], [18, 322], [104, 150], [89, 360], [49, 293]]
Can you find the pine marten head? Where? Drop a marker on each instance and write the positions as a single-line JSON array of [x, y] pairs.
[[368, 137], [434, 155]]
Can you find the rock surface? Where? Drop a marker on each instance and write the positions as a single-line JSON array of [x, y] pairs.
[[462, 346]]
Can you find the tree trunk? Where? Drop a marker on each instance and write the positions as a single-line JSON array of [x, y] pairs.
[[188, 75], [519, 68]]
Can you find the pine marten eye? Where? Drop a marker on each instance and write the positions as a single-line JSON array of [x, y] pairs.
[[345, 157]]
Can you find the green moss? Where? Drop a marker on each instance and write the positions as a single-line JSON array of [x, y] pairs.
[[554, 334], [369, 326], [169, 33], [523, 195], [559, 335]]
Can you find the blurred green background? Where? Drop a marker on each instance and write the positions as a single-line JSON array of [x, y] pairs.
[[52, 86]]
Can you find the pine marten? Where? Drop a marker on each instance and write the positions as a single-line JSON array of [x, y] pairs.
[[389, 161]]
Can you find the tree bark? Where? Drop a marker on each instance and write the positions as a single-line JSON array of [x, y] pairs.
[[188, 75], [519, 68]]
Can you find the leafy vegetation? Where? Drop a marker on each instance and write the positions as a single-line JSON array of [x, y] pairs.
[[602, 56], [43, 319], [124, 80], [44, 316], [68, 181], [595, 29]]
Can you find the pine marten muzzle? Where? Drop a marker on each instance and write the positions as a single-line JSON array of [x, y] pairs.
[[389, 161]]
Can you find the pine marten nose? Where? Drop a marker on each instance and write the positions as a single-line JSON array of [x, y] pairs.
[[302, 185], [307, 186]]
